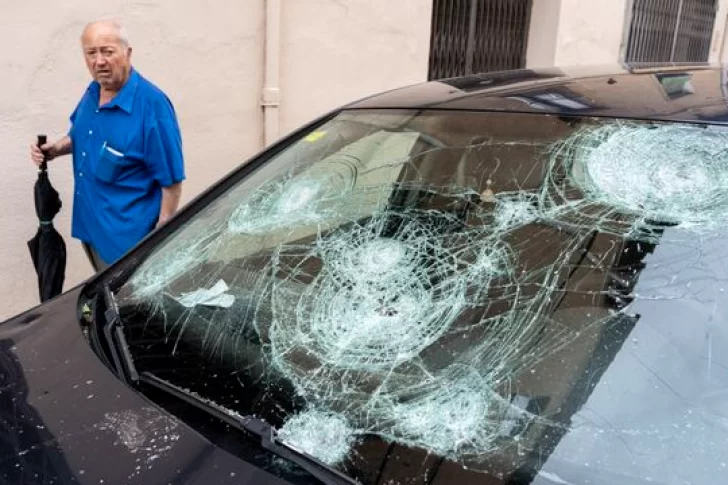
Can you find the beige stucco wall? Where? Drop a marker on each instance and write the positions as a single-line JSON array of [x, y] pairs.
[[335, 52], [542, 33], [590, 35], [209, 59], [575, 32], [719, 45]]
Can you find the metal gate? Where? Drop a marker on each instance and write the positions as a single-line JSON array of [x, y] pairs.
[[470, 36], [666, 31]]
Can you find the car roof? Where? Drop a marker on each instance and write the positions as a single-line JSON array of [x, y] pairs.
[[688, 93]]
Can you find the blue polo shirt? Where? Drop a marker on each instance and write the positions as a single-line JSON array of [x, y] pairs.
[[124, 152]]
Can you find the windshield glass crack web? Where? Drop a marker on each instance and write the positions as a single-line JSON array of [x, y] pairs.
[[411, 302], [660, 176]]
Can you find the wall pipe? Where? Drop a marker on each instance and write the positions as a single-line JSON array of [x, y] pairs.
[[271, 90]]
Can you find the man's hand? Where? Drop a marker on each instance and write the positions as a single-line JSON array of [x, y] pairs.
[[36, 153], [50, 150]]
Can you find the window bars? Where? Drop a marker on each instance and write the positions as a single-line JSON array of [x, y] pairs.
[[670, 31], [471, 36]]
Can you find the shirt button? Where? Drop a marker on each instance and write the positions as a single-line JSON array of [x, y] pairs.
[[80, 174], [90, 132], [83, 154]]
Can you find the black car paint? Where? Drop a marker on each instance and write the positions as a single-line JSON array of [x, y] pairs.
[[495, 92], [55, 396], [54, 390]]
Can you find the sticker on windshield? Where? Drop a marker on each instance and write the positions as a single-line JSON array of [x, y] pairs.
[[315, 136]]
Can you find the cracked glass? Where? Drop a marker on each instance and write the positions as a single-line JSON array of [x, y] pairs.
[[443, 296]]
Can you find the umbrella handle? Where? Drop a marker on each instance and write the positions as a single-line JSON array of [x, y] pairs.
[[42, 140]]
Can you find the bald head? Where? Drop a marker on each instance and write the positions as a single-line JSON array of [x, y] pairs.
[[107, 53], [109, 26]]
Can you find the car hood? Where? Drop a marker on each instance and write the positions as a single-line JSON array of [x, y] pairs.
[[65, 418]]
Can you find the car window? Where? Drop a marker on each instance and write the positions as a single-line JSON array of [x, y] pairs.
[[437, 296]]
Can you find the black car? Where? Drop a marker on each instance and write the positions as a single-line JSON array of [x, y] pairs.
[[510, 278]]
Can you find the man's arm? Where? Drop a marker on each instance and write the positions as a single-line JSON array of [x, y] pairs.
[[170, 202], [61, 147], [163, 155]]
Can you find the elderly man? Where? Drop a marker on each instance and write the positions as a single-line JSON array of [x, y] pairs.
[[127, 150]]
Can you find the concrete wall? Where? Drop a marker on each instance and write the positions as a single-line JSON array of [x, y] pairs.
[[209, 59]]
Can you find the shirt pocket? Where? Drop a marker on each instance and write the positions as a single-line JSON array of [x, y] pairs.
[[111, 164]]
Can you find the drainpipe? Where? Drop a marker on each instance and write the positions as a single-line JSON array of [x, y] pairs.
[[271, 90]]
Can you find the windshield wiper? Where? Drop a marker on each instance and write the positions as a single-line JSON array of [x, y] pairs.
[[125, 368], [267, 433], [118, 346]]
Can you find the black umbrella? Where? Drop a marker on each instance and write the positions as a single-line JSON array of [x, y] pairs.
[[47, 247]]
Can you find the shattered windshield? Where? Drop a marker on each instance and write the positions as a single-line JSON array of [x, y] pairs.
[[462, 297]]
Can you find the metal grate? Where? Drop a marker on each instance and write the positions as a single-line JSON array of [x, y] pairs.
[[666, 31], [470, 36]]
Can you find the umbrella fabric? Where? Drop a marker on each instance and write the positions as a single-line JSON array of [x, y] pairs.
[[47, 248]]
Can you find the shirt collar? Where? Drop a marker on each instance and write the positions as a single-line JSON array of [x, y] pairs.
[[124, 99]]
